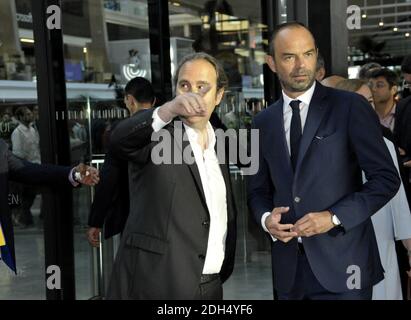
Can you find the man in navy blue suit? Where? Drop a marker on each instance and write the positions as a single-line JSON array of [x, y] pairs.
[[308, 192]]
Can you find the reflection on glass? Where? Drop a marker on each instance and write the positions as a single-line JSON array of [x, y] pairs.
[[106, 45]]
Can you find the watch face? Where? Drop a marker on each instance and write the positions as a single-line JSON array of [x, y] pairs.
[[77, 176]]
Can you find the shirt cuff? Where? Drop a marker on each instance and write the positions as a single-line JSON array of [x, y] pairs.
[[71, 179], [158, 123], [263, 218]]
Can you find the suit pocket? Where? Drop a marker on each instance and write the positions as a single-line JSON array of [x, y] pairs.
[[326, 138], [147, 243]]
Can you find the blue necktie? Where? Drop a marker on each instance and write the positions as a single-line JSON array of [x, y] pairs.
[[296, 132]]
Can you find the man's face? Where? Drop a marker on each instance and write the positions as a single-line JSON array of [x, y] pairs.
[[27, 116], [295, 60], [407, 79], [365, 91], [6, 117], [200, 77], [381, 90]]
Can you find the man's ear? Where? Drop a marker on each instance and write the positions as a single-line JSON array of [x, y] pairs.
[[220, 95], [394, 90], [270, 61]]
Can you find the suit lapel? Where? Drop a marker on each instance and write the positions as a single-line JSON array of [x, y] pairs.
[[182, 143], [278, 151], [315, 115]]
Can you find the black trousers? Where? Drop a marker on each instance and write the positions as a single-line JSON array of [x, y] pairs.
[[307, 287]]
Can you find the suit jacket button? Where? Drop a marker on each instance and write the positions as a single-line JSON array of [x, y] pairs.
[[201, 257], [206, 224], [297, 199]]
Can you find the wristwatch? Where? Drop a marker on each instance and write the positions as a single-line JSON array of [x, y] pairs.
[[76, 176], [335, 220]]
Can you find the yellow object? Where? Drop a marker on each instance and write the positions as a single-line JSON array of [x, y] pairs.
[[2, 240]]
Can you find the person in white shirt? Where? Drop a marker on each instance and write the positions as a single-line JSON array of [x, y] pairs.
[[25, 142], [179, 239]]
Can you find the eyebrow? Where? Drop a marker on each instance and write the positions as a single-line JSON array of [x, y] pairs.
[[198, 82], [293, 54]]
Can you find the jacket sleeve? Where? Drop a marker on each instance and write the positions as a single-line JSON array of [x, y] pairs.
[[131, 139], [374, 159], [36, 174], [260, 189]]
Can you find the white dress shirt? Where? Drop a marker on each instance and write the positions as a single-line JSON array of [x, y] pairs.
[[214, 190], [26, 143], [305, 99]]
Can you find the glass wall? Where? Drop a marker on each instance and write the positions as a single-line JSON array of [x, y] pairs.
[[106, 45], [19, 128], [383, 35]]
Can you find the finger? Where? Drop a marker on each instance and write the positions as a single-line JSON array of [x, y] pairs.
[[272, 222], [302, 228], [197, 103], [187, 108], [281, 210], [282, 227], [202, 108], [304, 219], [283, 234]]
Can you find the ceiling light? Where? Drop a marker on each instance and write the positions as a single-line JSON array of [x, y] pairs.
[[26, 40]]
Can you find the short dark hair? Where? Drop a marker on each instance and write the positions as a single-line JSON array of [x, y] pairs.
[[390, 76], [222, 80], [366, 68], [20, 111], [406, 64], [141, 89], [278, 28]]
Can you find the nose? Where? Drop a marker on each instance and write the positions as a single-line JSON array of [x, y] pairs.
[[299, 62]]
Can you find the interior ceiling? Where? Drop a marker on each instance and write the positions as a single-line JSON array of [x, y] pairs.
[[241, 8], [386, 41], [393, 13]]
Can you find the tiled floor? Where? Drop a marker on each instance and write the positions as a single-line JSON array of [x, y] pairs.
[[250, 280]]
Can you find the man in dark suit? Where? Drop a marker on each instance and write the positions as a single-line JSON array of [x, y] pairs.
[[395, 116], [111, 201], [18, 170], [308, 193], [179, 239]]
